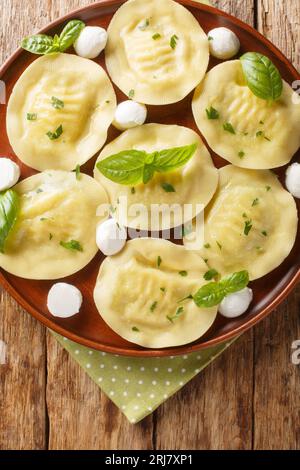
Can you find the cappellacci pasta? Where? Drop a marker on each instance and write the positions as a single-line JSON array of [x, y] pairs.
[[193, 183], [157, 52], [148, 274], [59, 112], [251, 223], [246, 130], [54, 236]]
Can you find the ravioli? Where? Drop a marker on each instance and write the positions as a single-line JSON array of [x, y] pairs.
[[264, 135], [194, 183], [157, 52], [55, 207], [59, 112], [251, 223], [138, 296]]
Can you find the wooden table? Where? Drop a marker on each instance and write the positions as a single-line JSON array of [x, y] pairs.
[[247, 399]]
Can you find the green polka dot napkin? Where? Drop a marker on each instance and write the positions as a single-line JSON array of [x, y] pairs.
[[139, 385]]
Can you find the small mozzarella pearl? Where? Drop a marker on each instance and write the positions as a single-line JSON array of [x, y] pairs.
[[91, 41], [236, 304], [64, 300], [129, 114], [110, 237], [292, 180], [223, 43], [9, 173]]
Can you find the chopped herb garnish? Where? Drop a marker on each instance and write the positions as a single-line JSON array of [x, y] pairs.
[[188, 297], [241, 154], [183, 273], [219, 245], [207, 245], [262, 134], [153, 306], [73, 245], [212, 113], [50, 236], [39, 190], [168, 188], [163, 289], [159, 261], [77, 171], [246, 133], [186, 230], [55, 135], [255, 202], [210, 38], [259, 133], [156, 36], [144, 25], [205, 260], [57, 103], [245, 215], [31, 116], [173, 41], [112, 209], [267, 138], [107, 101], [134, 328], [248, 227], [132, 190], [268, 188], [211, 274], [261, 122], [264, 233], [42, 219], [131, 94], [228, 128], [178, 312]]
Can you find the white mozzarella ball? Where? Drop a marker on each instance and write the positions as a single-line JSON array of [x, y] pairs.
[[110, 237], [236, 304], [9, 173], [223, 43], [64, 300], [292, 180], [129, 114], [91, 41]]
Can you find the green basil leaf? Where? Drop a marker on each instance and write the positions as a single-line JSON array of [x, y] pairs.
[[70, 33], [126, 167], [213, 293], [148, 173], [39, 44], [262, 77], [173, 158], [9, 209]]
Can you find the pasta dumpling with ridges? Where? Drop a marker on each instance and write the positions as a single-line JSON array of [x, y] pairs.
[[156, 51], [245, 130], [251, 223], [59, 112], [54, 235], [138, 294], [194, 183]]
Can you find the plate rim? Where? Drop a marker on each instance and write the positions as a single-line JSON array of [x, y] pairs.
[[188, 348]]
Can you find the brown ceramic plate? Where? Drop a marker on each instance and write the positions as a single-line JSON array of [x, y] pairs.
[[88, 328]]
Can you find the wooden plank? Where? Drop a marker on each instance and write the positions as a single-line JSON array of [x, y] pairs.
[[22, 377], [80, 416], [214, 411], [277, 380]]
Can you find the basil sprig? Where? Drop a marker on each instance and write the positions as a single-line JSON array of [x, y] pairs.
[[131, 167], [9, 209], [213, 293], [261, 75], [42, 44]]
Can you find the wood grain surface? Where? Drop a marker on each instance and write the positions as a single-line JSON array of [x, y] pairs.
[[247, 399]]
